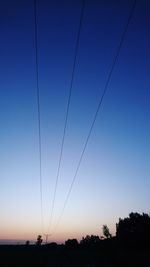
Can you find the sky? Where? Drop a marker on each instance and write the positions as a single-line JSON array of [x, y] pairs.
[[113, 179]]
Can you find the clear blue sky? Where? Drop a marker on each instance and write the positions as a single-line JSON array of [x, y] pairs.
[[114, 176]]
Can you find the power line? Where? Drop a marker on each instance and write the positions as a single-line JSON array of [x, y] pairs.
[[68, 107], [98, 108], [38, 106]]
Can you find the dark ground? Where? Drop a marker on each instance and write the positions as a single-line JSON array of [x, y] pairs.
[[103, 255]]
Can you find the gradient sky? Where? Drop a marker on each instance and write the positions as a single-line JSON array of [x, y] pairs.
[[114, 176]]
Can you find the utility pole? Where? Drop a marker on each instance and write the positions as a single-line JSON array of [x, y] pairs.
[[46, 237]]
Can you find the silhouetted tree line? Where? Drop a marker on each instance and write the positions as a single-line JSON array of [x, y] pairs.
[[90, 240], [135, 228], [71, 243]]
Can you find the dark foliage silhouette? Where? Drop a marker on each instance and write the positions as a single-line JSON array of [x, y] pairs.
[[106, 231], [39, 240], [71, 243], [136, 227], [90, 240]]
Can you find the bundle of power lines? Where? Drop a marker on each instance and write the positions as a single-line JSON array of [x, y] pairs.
[[101, 98]]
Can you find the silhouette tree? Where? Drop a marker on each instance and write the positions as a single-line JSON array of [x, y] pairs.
[[134, 227], [106, 231], [71, 243], [39, 240], [90, 240]]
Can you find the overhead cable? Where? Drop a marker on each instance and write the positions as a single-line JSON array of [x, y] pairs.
[[67, 110], [38, 107], [98, 108]]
